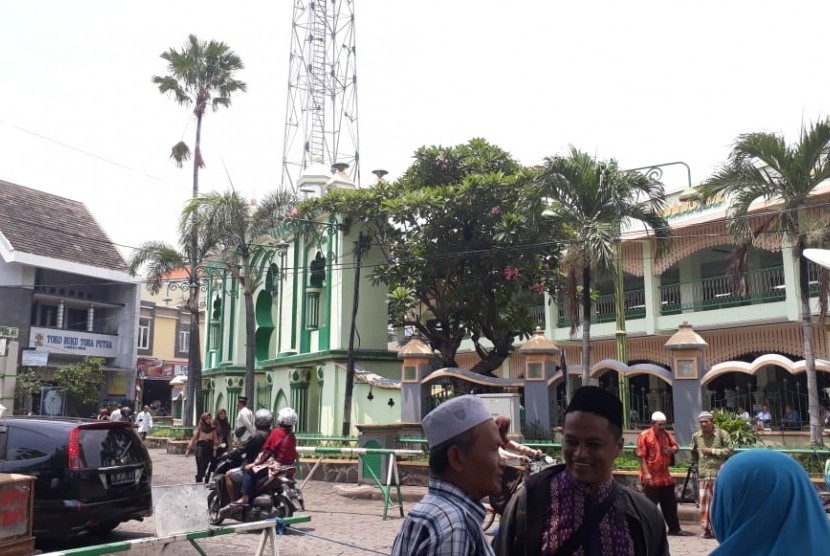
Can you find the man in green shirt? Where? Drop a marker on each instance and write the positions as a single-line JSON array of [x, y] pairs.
[[710, 448]]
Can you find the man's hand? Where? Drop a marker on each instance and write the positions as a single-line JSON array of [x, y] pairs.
[[647, 479], [707, 451]]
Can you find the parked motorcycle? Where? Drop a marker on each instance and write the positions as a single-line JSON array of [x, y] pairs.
[[277, 497]]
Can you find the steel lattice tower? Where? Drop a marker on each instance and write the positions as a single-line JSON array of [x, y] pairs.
[[321, 111]]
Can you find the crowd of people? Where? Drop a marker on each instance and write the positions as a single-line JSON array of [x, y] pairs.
[[756, 502]]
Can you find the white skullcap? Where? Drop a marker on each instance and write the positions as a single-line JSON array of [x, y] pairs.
[[453, 417], [658, 417], [705, 415]]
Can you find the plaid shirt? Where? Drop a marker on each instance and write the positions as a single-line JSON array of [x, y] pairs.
[[446, 522]]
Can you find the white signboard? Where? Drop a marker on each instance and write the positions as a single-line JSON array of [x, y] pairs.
[[73, 342], [179, 509], [506, 405], [34, 358]]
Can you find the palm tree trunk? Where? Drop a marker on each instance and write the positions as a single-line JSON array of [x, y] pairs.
[[195, 362], [193, 398], [809, 353], [586, 325], [250, 340]]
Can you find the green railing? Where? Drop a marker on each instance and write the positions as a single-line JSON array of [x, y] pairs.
[[604, 308], [763, 286]]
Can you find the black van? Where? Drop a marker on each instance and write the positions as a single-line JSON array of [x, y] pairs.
[[91, 475]]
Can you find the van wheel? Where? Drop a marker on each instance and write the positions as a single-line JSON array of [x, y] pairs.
[[213, 503], [102, 528]]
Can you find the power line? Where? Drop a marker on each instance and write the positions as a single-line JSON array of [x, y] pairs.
[[91, 154]]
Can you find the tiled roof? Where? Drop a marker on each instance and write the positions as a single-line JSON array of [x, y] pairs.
[[47, 225]]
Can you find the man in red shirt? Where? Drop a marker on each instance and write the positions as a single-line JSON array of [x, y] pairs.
[[656, 448], [279, 450]]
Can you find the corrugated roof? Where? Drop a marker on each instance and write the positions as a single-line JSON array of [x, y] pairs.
[[47, 225]]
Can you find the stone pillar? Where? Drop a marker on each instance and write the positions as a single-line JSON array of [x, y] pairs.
[[540, 356], [417, 358], [687, 364]]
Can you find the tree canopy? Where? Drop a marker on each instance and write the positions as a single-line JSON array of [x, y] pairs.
[[234, 225], [466, 250]]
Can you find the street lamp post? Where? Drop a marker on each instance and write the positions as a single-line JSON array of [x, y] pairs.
[[655, 172]]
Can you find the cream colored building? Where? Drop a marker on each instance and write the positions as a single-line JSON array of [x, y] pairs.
[[163, 339]]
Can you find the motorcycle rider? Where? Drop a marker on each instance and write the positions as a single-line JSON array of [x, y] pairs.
[[263, 420], [280, 449]]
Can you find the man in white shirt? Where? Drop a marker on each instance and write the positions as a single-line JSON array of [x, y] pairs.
[[763, 418], [245, 428], [144, 422]]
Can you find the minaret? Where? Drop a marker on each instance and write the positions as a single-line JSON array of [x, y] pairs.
[[321, 111]]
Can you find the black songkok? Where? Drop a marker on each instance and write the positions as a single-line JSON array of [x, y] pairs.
[[594, 399]]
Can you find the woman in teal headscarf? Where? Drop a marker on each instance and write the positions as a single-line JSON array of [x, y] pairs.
[[765, 504]]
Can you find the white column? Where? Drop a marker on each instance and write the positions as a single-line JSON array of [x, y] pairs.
[[792, 305], [90, 318], [651, 285], [59, 316]]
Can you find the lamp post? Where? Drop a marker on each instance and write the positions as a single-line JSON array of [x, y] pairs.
[[193, 390], [654, 172]]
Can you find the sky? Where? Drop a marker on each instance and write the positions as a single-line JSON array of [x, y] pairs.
[[642, 82]]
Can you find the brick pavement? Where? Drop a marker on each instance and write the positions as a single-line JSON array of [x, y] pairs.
[[358, 522]]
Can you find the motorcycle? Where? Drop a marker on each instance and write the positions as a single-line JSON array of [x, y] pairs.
[[512, 477], [277, 497]]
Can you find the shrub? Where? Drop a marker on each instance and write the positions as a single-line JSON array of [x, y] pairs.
[[739, 430]]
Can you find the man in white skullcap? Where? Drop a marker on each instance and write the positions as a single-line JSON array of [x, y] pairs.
[[710, 448], [465, 467], [656, 448]]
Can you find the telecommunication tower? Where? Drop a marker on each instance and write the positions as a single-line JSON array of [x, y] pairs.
[[321, 111]]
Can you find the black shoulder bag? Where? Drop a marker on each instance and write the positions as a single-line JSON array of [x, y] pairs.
[[592, 519]]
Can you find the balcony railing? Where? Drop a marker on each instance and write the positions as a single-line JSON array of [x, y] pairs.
[[604, 308], [538, 313], [763, 286]]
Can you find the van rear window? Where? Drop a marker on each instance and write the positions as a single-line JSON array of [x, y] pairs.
[[109, 447]]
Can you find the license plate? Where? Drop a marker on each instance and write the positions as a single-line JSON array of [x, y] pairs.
[[122, 477]]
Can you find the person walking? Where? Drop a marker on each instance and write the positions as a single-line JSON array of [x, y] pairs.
[[204, 443], [464, 468], [656, 448], [144, 422], [710, 447], [223, 428], [578, 507], [765, 504], [245, 427]]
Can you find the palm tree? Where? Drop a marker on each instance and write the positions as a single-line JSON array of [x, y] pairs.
[[159, 260], [200, 74], [593, 200], [236, 226], [763, 167]]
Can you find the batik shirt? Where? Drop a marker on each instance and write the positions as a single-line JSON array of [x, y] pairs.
[[570, 502], [721, 445], [446, 522]]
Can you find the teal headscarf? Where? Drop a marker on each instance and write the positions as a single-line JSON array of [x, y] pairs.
[[765, 504]]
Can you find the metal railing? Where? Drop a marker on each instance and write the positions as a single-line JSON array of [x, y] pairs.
[[604, 308], [763, 286]]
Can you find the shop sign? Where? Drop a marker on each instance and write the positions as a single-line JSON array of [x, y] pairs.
[[72, 342]]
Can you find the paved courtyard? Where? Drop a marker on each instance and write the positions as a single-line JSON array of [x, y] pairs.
[[339, 525]]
